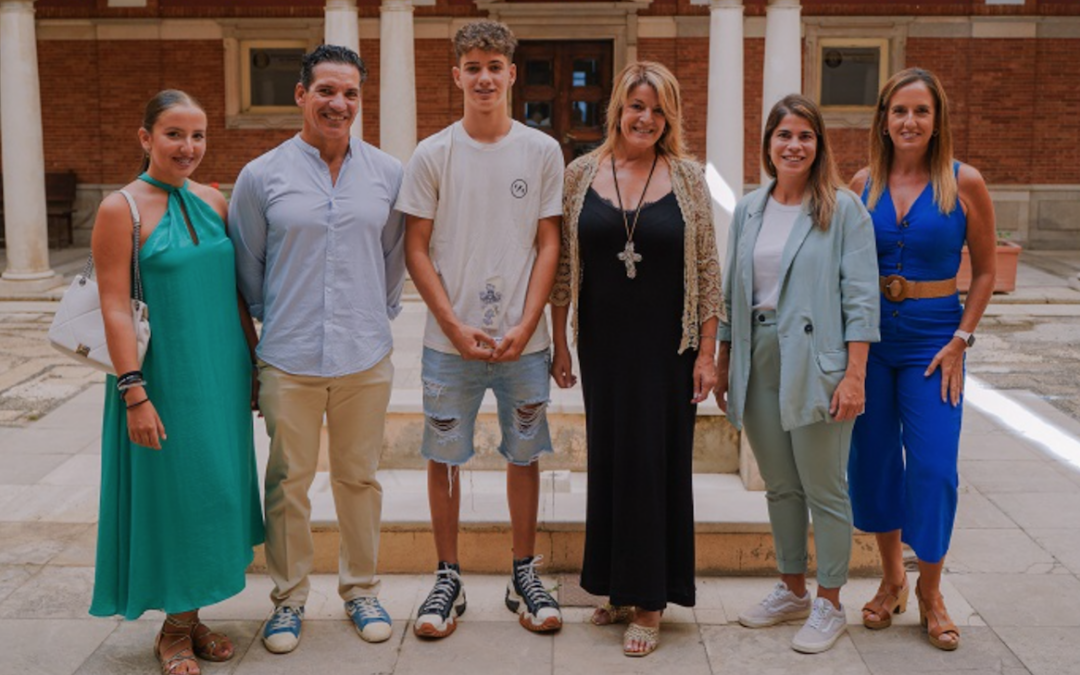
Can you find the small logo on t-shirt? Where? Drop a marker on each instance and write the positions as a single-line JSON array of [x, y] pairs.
[[519, 188]]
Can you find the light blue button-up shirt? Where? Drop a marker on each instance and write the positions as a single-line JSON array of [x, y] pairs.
[[321, 264]]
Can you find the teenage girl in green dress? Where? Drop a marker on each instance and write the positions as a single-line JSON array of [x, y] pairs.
[[179, 510]]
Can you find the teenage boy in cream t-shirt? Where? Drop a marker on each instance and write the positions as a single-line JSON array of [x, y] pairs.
[[483, 203]]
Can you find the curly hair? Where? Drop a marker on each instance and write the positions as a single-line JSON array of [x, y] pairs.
[[485, 35]]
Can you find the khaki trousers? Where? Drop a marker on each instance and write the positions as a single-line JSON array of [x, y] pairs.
[[355, 409]]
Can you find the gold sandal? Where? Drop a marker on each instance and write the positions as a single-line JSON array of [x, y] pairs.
[[890, 599], [648, 637], [182, 656], [208, 644], [935, 619], [608, 614]]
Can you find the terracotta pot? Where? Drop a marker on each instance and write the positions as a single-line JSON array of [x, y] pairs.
[[1008, 254]]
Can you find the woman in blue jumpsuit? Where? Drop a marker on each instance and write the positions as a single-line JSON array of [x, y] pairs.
[[903, 464]]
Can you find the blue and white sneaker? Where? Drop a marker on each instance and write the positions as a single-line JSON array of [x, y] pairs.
[[370, 619], [282, 631]]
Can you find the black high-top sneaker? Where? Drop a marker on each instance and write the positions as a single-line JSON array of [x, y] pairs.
[[437, 617], [526, 595]]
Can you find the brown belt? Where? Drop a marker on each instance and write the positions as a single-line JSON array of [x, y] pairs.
[[896, 288]]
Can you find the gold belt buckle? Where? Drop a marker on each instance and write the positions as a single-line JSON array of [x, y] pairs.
[[895, 287]]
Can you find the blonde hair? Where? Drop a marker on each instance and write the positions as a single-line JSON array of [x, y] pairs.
[[824, 178], [941, 143], [666, 87]]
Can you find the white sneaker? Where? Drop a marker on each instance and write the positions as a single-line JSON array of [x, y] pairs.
[[779, 606], [821, 631]]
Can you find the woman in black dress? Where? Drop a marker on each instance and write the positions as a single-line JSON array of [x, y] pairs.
[[639, 264]]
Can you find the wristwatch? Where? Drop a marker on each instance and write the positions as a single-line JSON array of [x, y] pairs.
[[967, 337]]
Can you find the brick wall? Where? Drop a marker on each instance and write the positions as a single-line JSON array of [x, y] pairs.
[[1013, 104], [93, 94], [1013, 101], [438, 101], [883, 8]]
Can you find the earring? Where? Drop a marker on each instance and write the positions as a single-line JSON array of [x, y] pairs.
[[934, 135]]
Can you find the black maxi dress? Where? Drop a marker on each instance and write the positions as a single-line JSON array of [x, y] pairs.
[[639, 525]]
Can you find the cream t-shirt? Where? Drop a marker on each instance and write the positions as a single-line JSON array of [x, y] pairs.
[[485, 200], [776, 226]]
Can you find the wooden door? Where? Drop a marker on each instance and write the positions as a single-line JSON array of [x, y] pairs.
[[562, 89]]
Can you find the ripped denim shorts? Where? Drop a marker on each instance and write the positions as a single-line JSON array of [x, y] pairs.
[[454, 389]]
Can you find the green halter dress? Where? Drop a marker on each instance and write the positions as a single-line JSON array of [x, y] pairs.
[[176, 527]]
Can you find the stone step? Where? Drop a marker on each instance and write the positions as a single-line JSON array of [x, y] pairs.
[[732, 525], [716, 442]]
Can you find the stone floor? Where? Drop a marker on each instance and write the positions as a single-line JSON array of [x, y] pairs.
[[1012, 582]]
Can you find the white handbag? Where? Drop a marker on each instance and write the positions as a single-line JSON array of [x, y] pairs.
[[78, 329]]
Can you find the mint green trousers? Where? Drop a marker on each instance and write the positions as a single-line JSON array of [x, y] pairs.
[[804, 470]]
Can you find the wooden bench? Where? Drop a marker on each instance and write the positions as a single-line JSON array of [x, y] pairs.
[[59, 207]]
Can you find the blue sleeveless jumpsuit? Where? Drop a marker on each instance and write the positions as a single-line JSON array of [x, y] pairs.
[[902, 470]]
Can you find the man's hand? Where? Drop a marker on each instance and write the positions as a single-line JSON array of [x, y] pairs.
[[512, 344], [472, 343]]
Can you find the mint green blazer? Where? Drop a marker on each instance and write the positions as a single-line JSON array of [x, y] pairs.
[[828, 297]]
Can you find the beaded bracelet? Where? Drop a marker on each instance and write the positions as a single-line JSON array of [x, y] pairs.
[[130, 385], [129, 380], [128, 376]]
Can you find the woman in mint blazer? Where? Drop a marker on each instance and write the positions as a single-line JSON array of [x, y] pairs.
[[801, 294]]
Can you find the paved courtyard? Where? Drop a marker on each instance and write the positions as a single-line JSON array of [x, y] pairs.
[[1012, 581]]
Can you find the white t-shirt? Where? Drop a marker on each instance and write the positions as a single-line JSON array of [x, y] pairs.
[[776, 226], [485, 200]]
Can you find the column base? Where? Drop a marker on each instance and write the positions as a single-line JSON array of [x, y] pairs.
[[20, 286]]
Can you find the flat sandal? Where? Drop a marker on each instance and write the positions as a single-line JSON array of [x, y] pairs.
[[615, 614], [184, 656], [649, 638], [890, 599], [207, 642]]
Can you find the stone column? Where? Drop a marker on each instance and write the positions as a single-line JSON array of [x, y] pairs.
[[25, 222], [343, 29], [724, 128], [397, 79], [783, 54]]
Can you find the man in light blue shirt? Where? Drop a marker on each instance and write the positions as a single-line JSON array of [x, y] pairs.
[[320, 262]]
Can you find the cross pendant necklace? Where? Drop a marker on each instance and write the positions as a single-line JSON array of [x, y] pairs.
[[628, 256]]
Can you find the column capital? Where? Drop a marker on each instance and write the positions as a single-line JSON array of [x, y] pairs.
[[724, 4], [783, 4], [16, 5], [396, 6], [347, 5]]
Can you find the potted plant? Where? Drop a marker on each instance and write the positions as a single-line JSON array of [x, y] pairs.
[[1008, 255]]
